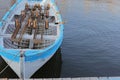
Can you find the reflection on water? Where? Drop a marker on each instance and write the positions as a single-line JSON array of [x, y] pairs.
[[51, 69], [91, 43], [110, 5]]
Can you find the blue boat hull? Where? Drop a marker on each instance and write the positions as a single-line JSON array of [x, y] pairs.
[[31, 57]]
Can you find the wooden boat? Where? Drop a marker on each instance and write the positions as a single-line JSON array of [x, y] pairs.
[[30, 33]]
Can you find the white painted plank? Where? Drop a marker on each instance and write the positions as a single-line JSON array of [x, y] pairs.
[[103, 78], [84, 78], [57, 79], [81, 78], [47, 79], [24, 79], [3, 79], [114, 78], [37, 79], [66, 78], [75, 78], [93, 78], [13, 79]]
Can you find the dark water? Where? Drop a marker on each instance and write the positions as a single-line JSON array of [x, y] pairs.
[[91, 45], [51, 69]]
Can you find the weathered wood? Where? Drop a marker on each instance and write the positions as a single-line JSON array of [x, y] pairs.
[[57, 79], [48, 6], [37, 79], [84, 78], [75, 78], [39, 7], [93, 78], [17, 25], [22, 33], [26, 7], [29, 22], [3, 79], [66, 78], [33, 22], [103, 78], [114, 78], [12, 79], [46, 24], [37, 41], [48, 79], [47, 13]]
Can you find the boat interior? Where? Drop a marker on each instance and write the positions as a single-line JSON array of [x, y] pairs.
[[33, 28]]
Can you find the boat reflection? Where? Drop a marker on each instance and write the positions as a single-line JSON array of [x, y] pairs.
[[51, 69]]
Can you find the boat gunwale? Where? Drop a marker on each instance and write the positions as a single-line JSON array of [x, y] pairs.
[[35, 52]]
